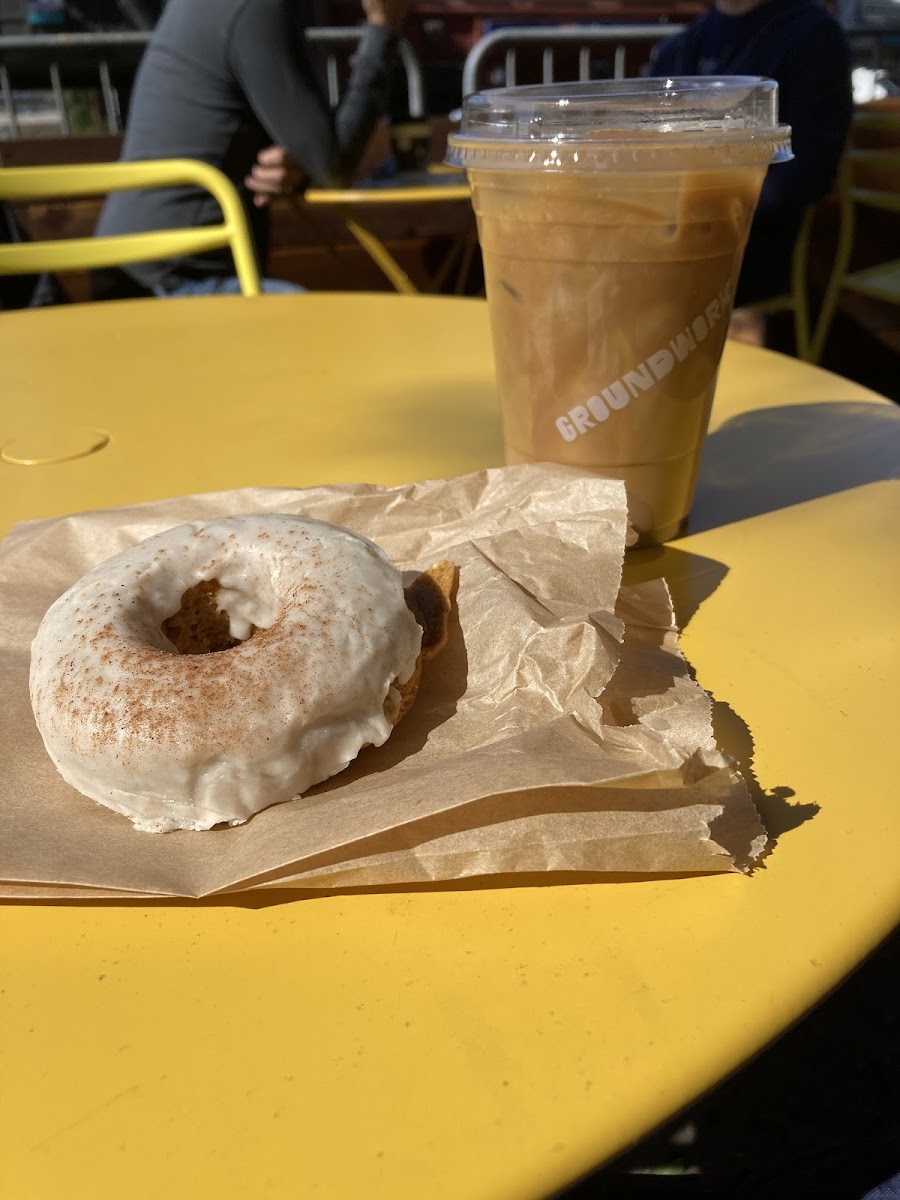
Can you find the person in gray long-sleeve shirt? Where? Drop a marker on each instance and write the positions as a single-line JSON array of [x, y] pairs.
[[228, 81]]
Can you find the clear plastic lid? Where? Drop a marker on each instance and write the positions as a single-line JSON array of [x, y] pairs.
[[628, 124]]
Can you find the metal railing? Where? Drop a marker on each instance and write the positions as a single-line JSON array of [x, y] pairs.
[[325, 36], [589, 38], [586, 38], [54, 57]]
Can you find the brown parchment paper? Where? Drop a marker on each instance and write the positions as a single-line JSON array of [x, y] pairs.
[[559, 731]]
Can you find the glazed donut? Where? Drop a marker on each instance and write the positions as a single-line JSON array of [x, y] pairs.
[[223, 666]]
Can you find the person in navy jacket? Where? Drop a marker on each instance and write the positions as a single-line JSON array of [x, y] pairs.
[[804, 49]]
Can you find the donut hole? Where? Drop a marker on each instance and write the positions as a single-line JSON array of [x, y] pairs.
[[200, 626]]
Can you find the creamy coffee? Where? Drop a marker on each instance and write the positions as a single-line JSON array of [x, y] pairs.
[[610, 275], [609, 299]]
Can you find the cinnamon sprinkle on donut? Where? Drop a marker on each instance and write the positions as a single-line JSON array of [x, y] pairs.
[[222, 667]]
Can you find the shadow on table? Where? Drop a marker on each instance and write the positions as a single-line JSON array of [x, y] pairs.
[[777, 457], [778, 815], [692, 578], [274, 896]]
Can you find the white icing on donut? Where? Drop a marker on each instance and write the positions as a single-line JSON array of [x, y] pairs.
[[186, 741]]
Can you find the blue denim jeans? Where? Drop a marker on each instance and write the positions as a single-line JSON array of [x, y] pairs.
[[226, 285]]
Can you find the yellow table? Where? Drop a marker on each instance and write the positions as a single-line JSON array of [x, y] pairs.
[[487, 1042]]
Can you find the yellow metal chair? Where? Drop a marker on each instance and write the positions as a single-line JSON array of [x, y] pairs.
[[71, 254], [797, 300], [881, 282], [349, 201]]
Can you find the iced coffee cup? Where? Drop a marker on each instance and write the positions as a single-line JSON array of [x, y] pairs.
[[613, 218]]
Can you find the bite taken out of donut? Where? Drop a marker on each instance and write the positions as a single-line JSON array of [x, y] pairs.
[[225, 666]]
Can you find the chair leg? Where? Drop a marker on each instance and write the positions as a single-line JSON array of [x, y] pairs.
[[457, 249], [465, 264], [382, 257], [838, 271], [801, 312]]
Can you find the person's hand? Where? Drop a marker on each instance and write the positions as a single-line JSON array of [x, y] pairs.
[[385, 12], [274, 174]]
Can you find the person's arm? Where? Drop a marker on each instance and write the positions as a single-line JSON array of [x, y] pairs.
[[815, 98], [270, 61], [667, 57]]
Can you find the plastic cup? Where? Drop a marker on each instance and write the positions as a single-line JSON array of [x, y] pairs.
[[612, 218]]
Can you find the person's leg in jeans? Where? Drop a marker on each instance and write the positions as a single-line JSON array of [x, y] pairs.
[[228, 285]]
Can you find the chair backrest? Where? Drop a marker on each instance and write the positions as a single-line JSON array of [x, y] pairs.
[[585, 39], [872, 161], [869, 177], [36, 183], [874, 178]]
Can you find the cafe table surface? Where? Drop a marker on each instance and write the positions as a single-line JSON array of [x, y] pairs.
[[487, 1040]]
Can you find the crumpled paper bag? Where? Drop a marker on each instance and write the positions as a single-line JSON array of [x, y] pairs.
[[560, 731]]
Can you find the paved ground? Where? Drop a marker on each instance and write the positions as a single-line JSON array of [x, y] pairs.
[[815, 1116], [856, 352]]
